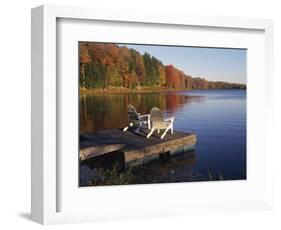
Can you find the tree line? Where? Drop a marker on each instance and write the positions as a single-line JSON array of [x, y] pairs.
[[104, 65]]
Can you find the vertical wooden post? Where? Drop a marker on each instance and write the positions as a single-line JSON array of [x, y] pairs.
[[164, 157]]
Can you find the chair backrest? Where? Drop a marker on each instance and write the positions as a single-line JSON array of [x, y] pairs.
[[132, 113], [157, 118]]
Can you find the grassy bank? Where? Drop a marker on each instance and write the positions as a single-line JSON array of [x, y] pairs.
[[141, 175], [106, 90], [155, 172], [110, 90]]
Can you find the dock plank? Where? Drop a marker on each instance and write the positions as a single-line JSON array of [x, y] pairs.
[[135, 147], [98, 150]]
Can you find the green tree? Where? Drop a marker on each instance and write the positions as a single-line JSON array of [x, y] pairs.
[[114, 78], [162, 75], [151, 69], [136, 66]]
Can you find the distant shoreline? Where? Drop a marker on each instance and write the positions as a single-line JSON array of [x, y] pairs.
[[117, 90]]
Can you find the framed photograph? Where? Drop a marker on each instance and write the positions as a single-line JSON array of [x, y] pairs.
[[141, 114]]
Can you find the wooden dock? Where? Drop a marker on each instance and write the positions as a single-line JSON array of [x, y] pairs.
[[133, 148]]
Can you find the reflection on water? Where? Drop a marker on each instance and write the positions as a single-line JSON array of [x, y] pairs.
[[218, 117], [175, 169], [109, 111]]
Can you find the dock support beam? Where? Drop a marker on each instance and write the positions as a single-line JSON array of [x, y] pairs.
[[164, 157]]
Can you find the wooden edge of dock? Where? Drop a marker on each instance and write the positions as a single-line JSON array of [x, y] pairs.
[[148, 153], [98, 150], [136, 149]]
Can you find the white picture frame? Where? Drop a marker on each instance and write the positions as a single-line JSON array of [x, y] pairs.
[[45, 90]]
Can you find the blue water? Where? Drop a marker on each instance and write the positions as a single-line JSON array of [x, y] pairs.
[[218, 117], [219, 120]]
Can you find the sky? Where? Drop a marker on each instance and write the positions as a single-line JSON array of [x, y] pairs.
[[213, 64]]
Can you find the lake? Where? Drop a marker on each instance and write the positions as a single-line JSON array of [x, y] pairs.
[[218, 117]]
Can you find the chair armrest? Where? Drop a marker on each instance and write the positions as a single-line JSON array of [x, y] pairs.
[[170, 119], [145, 115]]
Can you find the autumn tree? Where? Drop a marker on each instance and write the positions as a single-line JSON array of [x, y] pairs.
[[103, 65], [188, 82], [136, 66], [199, 83], [84, 59], [181, 80], [174, 78], [124, 58]]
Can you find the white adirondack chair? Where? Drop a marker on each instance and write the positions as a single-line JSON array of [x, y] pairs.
[[159, 123], [137, 121]]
